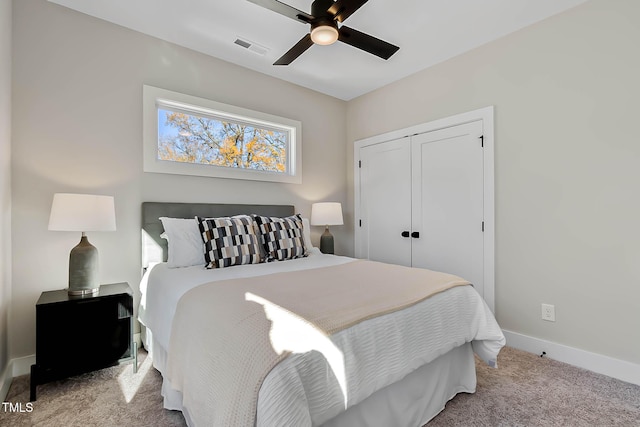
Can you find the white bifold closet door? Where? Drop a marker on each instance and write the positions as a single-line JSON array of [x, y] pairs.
[[421, 202], [385, 202], [447, 202]]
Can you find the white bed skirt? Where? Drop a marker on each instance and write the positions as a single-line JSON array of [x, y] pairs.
[[418, 397], [410, 402]]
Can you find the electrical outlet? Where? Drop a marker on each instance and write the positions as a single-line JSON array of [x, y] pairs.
[[549, 312]]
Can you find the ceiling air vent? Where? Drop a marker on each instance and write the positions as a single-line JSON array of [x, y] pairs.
[[253, 47]]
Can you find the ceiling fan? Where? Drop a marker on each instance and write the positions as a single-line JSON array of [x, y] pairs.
[[324, 18]]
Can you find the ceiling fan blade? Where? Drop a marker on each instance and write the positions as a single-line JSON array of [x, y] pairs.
[[284, 9], [366, 42], [342, 9], [297, 50]]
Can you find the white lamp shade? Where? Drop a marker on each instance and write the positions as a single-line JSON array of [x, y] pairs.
[[328, 213], [82, 212]]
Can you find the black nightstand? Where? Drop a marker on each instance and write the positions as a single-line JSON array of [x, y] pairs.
[[75, 335]]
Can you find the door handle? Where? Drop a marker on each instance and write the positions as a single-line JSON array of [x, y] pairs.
[[405, 234], [415, 234]]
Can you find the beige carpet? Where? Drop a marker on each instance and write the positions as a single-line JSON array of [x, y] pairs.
[[526, 390], [110, 397]]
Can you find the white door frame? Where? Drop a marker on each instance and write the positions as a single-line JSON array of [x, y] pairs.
[[486, 115]]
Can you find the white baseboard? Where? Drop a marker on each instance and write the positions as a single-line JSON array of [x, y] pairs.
[[22, 365], [616, 368]]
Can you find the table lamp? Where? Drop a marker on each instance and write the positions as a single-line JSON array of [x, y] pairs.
[[326, 213], [82, 212]]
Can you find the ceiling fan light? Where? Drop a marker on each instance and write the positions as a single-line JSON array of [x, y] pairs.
[[324, 34]]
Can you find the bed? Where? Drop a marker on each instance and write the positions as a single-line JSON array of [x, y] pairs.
[[396, 368]]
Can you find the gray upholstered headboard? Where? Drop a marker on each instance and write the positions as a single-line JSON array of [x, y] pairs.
[[154, 248]]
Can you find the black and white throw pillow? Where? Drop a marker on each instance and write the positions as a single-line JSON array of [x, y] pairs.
[[229, 241], [281, 237]]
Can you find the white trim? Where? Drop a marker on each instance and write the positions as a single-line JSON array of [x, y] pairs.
[[22, 365], [152, 97], [485, 114], [615, 368], [489, 207]]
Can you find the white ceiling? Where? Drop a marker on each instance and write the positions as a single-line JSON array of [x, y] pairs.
[[427, 31]]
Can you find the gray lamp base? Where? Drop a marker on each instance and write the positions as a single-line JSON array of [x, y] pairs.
[[83, 269], [326, 242]]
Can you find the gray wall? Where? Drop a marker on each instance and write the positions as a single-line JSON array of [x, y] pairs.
[[77, 108], [566, 94], [5, 180]]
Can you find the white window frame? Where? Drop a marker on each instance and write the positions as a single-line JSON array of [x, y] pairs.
[[155, 98]]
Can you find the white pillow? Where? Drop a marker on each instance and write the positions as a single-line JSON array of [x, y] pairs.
[[306, 234], [186, 247]]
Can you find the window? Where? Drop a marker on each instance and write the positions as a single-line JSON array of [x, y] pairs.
[[188, 135]]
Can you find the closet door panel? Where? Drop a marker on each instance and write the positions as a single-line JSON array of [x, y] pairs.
[[447, 201], [385, 202]]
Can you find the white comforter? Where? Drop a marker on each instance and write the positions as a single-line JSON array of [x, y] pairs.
[[377, 352]]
